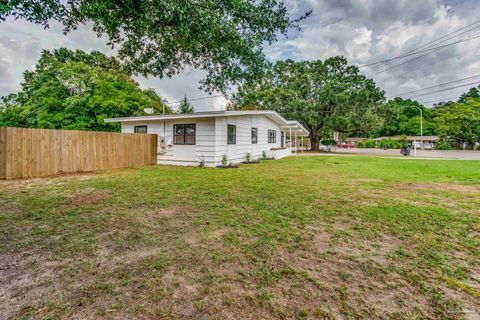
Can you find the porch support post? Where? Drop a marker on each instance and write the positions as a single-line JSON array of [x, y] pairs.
[[296, 144], [302, 144], [290, 138]]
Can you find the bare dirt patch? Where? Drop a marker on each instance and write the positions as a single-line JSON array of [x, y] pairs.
[[172, 211], [448, 187], [32, 183], [88, 196], [321, 240], [26, 279]]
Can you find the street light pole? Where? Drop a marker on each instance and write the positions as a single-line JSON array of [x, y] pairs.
[[421, 126]]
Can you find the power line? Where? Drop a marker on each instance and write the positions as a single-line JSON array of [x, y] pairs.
[[438, 85], [440, 60], [428, 48], [416, 49], [449, 34], [405, 62], [440, 100], [196, 99], [444, 89], [431, 50]]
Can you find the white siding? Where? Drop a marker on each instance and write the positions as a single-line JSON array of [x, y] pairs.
[[236, 152], [211, 139]]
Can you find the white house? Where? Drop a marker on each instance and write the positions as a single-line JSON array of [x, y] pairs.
[[188, 139]]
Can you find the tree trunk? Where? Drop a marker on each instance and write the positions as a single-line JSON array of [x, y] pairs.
[[314, 143]]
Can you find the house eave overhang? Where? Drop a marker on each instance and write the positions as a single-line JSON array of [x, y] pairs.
[[294, 125]]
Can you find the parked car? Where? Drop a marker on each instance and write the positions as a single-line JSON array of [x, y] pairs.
[[428, 146]]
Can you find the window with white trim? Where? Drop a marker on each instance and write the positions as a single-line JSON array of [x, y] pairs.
[[184, 133], [254, 136], [231, 134], [272, 136], [140, 129]]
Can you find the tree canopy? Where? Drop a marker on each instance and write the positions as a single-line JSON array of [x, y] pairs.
[[76, 90], [402, 117], [460, 121], [473, 93], [185, 106], [162, 37], [325, 96]]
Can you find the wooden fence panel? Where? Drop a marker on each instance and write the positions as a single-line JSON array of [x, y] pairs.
[[3, 153], [26, 153]]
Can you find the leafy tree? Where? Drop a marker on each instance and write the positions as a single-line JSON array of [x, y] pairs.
[[461, 122], [325, 96], [11, 113], [473, 93], [76, 90], [162, 37], [402, 117], [185, 106]]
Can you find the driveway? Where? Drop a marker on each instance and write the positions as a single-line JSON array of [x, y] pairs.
[[433, 154]]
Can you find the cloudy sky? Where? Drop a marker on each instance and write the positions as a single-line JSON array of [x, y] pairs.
[[365, 31]]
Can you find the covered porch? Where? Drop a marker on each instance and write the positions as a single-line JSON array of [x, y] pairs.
[[293, 137]]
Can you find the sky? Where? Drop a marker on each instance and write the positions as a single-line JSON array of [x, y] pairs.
[[364, 31]]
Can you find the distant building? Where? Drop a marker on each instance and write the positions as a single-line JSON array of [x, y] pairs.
[[425, 142]]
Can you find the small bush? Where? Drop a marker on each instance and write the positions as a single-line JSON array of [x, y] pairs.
[[403, 140], [328, 142], [248, 157], [443, 145], [202, 161], [366, 144], [224, 160], [391, 144], [264, 155]]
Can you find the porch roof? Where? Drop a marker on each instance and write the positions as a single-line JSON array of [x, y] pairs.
[[296, 127]]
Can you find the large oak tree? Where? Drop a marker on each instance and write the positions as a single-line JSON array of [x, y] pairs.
[[325, 96], [162, 37]]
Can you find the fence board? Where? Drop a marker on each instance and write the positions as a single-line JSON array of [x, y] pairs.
[[26, 153], [3, 153]]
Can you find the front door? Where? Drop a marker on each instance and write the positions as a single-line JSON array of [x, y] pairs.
[[282, 141]]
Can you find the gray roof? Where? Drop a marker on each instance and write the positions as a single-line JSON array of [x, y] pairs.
[[275, 116]]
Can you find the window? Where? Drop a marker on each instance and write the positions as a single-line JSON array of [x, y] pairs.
[[272, 136], [254, 136], [140, 129], [184, 133], [231, 134]]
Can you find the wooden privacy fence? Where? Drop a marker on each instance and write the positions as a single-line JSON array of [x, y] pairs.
[[42, 152]]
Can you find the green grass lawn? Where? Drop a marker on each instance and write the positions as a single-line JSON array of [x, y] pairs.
[[306, 237]]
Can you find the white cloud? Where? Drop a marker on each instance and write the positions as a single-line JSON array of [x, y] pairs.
[[359, 47]]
